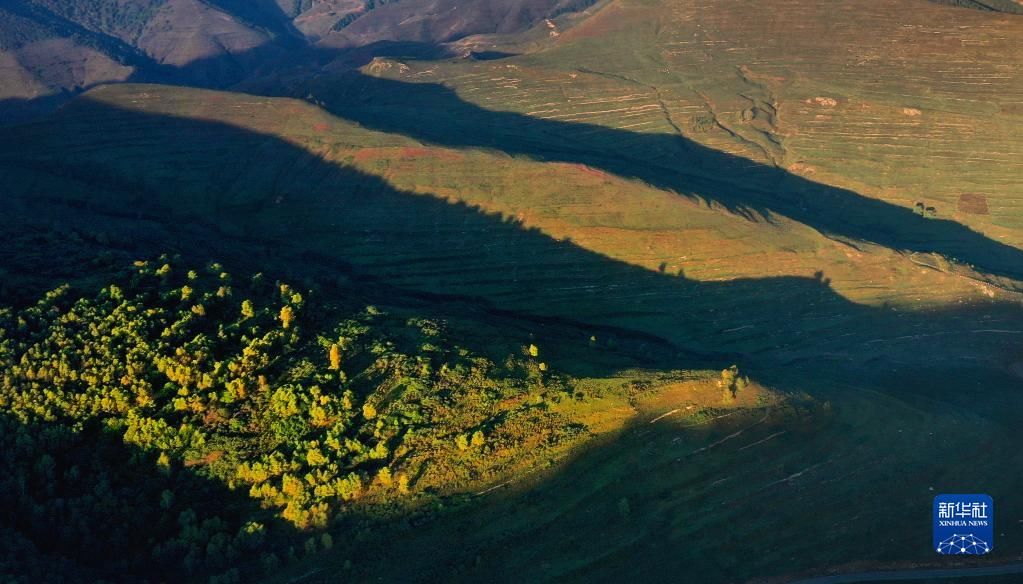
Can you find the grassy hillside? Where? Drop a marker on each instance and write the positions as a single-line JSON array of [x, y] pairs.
[[820, 193], [196, 423], [353, 204], [569, 242], [923, 111]]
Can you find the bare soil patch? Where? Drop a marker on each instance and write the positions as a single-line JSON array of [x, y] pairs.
[[973, 204]]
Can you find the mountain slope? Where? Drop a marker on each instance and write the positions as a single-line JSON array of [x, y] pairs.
[[261, 192], [50, 49], [823, 193], [42, 53], [920, 113], [276, 182], [60, 48], [441, 21]]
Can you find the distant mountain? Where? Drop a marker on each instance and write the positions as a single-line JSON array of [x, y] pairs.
[[41, 55], [53, 49], [439, 21]]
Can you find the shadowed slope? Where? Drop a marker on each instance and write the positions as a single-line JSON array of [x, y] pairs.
[[268, 191], [81, 505], [286, 205], [670, 162]]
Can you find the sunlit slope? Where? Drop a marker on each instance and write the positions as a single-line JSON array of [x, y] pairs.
[[729, 501], [541, 238], [904, 101], [504, 210]]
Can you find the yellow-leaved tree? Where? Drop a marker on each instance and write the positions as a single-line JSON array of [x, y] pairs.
[[335, 357], [287, 316]]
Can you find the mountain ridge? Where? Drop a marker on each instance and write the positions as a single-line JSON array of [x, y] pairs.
[[218, 43]]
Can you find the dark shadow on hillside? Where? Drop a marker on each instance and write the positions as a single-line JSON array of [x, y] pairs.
[[268, 69], [653, 504], [15, 110], [265, 14], [490, 55], [238, 193], [83, 506], [436, 114]]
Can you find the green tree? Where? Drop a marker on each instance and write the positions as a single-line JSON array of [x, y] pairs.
[[728, 383]]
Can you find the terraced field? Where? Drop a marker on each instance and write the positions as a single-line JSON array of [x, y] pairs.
[[668, 249], [716, 182], [858, 104]]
